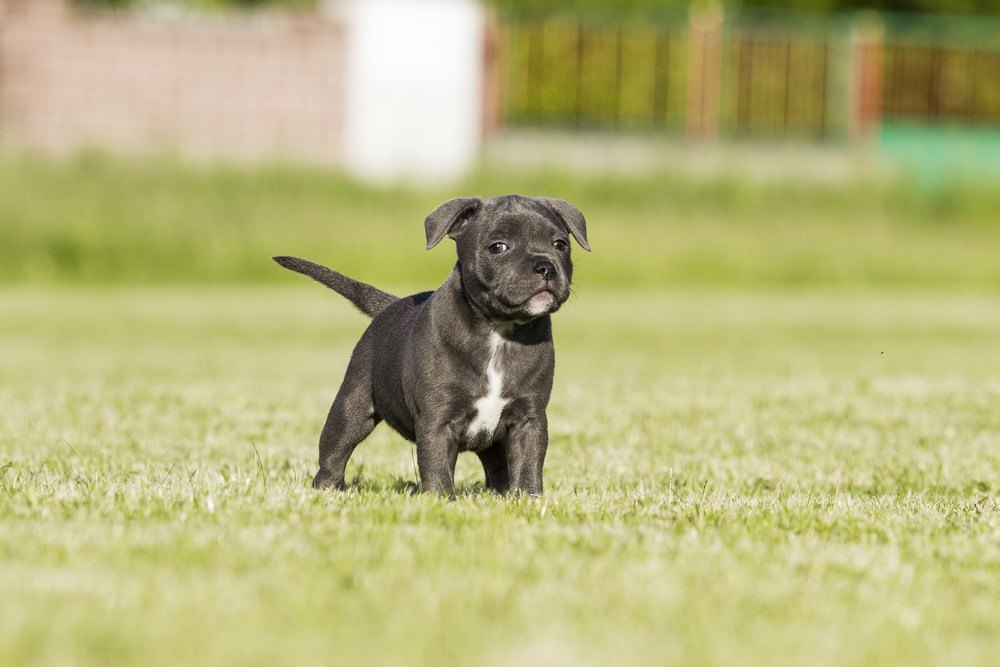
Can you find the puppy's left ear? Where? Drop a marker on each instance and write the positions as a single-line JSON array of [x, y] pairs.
[[449, 217], [572, 217]]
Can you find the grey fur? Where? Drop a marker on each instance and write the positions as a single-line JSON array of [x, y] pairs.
[[369, 300], [426, 359]]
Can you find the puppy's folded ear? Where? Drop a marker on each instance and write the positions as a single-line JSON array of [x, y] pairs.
[[449, 217], [571, 216]]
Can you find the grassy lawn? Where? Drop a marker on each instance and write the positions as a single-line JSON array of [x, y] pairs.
[[774, 432], [736, 476], [100, 220]]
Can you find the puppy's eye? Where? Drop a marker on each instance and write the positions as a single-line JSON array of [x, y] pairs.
[[498, 247], [560, 245]]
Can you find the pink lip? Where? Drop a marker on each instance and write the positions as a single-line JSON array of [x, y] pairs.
[[543, 293]]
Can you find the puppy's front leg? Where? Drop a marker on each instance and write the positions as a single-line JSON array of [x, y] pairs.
[[437, 453], [526, 445]]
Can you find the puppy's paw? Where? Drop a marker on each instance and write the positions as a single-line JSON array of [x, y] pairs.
[[325, 479]]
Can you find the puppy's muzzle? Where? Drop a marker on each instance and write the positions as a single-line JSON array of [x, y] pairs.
[[545, 269]]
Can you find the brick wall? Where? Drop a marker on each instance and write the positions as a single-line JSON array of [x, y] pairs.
[[252, 86]]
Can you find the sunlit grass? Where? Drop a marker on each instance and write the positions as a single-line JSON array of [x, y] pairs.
[[734, 477]]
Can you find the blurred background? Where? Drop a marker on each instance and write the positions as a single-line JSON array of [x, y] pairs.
[[774, 422], [758, 141]]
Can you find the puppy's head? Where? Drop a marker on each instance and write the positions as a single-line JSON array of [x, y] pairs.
[[513, 251]]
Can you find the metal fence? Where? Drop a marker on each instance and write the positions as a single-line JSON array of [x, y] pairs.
[[942, 72], [750, 75], [587, 72], [781, 80]]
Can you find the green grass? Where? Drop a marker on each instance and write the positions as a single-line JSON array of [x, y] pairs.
[[95, 219], [773, 433], [736, 476]]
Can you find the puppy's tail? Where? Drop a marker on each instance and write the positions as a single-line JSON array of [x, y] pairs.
[[369, 300]]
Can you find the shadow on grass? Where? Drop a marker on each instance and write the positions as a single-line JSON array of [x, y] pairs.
[[410, 487]]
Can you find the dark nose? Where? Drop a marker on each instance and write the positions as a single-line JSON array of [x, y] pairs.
[[545, 269]]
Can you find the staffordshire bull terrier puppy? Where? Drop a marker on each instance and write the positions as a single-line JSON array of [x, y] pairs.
[[467, 367]]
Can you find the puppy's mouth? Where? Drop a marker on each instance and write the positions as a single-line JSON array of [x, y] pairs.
[[524, 305], [540, 302]]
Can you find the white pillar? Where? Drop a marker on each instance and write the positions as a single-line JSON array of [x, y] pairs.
[[413, 89]]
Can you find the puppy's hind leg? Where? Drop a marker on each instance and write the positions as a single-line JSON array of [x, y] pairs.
[[350, 420]]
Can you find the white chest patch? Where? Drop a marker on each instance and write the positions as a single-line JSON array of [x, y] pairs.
[[490, 407]]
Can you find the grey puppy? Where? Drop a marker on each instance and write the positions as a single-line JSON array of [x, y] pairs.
[[469, 366]]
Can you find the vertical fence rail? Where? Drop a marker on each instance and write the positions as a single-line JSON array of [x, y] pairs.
[[866, 63], [704, 72]]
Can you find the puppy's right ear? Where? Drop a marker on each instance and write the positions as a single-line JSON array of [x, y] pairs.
[[449, 217]]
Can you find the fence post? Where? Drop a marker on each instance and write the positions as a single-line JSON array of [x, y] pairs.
[[494, 92], [865, 85], [704, 72]]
